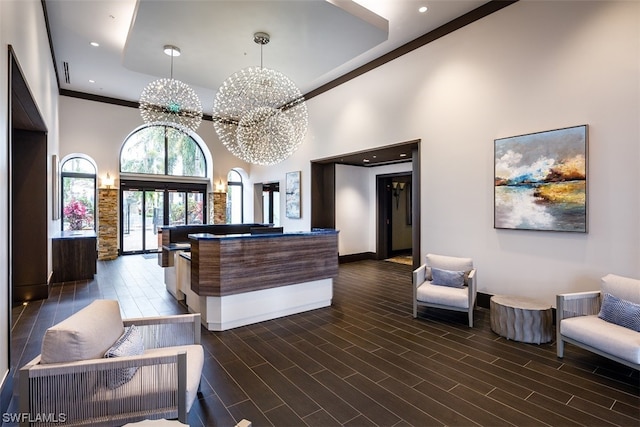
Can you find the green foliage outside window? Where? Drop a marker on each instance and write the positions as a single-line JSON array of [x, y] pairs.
[[146, 150]]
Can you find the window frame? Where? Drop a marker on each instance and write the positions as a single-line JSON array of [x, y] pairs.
[[83, 175], [166, 152]]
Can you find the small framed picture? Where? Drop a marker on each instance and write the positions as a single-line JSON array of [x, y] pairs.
[[292, 201]]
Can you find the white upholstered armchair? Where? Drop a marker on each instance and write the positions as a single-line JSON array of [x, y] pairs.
[[604, 321], [445, 282], [153, 369]]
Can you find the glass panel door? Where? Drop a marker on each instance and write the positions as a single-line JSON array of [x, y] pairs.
[[195, 207], [177, 204], [154, 208], [132, 220], [146, 206]]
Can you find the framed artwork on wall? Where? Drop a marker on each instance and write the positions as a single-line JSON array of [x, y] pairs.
[[292, 200], [540, 181]]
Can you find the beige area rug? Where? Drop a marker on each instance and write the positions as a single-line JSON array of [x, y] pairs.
[[402, 259]]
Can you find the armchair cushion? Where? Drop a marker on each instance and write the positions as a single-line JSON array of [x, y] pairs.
[[129, 344], [443, 295], [620, 312], [454, 279], [597, 333], [87, 334]]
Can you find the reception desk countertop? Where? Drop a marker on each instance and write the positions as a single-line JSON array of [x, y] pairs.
[[209, 236]]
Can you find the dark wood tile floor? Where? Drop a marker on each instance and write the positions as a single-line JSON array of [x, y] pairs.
[[364, 361]]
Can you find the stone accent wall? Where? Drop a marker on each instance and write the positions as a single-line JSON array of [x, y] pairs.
[[219, 210], [107, 223]]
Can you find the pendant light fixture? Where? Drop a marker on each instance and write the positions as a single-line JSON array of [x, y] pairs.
[[259, 114], [169, 101]]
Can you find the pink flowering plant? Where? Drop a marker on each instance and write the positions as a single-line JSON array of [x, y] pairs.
[[76, 214]]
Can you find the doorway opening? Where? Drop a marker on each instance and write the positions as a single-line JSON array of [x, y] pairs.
[[324, 205], [271, 203], [145, 206], [395, 239]]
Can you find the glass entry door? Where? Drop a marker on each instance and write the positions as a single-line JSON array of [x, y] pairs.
[[144, 210], [142, 213]]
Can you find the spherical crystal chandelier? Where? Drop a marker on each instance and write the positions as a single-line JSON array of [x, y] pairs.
[[169, 101], [259, 114]]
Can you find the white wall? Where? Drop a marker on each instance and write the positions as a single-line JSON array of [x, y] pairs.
[[530, 67], [22, 26], [354, 200]]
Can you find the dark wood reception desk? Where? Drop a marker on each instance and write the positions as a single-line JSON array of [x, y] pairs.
[[227, 265], [235, 280]]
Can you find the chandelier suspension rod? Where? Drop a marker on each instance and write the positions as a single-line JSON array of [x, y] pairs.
[[261, 38], [171, 67]]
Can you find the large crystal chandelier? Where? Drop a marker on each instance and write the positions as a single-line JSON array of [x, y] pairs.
[[169, 101], [259, 114]]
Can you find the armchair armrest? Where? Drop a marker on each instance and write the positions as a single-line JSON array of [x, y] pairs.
[[473, 287], [577, 304], [419, 275], [82, 396], [167, 331]]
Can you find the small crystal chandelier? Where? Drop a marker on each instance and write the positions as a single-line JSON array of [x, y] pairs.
[[259, 114], [169, 101]]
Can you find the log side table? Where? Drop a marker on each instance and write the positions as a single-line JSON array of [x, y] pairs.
[[521, 319]]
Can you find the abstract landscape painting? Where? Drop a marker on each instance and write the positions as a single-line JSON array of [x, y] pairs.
[[541, 181]]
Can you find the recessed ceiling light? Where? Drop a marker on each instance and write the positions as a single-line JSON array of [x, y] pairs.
[[403, 154], [95, 44], [366, 160], [171, 50], [423, 9], [92, 81]]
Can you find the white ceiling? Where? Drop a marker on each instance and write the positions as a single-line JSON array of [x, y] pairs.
[[312, 41]]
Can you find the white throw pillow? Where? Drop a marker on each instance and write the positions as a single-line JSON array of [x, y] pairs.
[[129, 344]]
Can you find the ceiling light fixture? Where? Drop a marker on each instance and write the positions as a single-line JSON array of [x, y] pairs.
[[259, 114], [422, 9], [169, 101], [95, 44], [171, 50]]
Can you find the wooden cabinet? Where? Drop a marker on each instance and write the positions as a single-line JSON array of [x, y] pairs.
[[74, 256]]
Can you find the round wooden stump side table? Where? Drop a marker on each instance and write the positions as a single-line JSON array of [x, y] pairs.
[[521, 319]]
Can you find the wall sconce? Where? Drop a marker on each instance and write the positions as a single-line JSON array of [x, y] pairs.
[[398, 187], [107, 181], [220, 187]]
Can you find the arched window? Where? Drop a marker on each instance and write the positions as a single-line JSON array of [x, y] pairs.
[[235, 195], [162, 150], [78, 176]]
